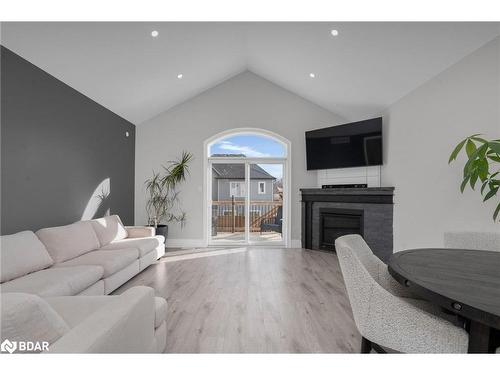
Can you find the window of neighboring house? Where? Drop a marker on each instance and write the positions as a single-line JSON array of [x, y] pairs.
[[262, 187], [237, 189]]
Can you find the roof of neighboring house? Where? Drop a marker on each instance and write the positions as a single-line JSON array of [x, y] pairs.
[[229, 155], [237, 171]]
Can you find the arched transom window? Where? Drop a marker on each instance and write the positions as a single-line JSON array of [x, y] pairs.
[[247, 145]]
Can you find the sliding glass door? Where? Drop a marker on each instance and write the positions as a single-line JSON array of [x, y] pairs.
[[246, 202], [266, 203], [246, 179], [228, 203]]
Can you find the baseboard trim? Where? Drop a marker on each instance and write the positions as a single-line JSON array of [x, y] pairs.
[[185, 242], [195, 242]]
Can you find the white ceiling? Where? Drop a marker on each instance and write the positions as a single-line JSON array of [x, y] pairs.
[[359, 73]]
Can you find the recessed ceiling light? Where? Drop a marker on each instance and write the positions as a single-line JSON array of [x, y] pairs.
[[179, 76], [334, 32], [154, 33], [312, 75]]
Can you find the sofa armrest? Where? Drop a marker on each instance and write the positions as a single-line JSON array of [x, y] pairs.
[[124, 325], [138, 232]]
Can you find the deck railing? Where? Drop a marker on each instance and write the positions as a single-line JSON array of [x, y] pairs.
[[229, 216]]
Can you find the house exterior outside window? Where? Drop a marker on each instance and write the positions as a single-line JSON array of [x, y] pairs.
[[229, 180], [262, 187], [237, 189]]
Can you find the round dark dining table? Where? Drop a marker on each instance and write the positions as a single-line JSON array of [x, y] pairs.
[[465, 282]]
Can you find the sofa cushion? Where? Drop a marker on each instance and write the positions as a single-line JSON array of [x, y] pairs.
[[75, 309], [108, 229], [69, 241], [63, 281], [121, 277], [111, 261], [96, 289], [26, 317], [20, 254], [144, 245]]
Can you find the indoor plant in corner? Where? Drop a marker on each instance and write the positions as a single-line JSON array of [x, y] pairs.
[[162, 205], [483, 165]]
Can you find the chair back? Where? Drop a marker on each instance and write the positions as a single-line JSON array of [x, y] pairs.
[[402, 324], [360, 270]]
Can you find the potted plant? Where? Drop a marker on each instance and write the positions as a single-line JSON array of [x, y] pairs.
[[483, 165], [162, 205]]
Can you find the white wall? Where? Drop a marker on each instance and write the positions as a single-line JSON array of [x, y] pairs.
[[246, 100], [357, 175], [420, 132]]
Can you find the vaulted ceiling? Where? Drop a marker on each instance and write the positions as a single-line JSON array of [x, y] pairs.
[[358, 73]]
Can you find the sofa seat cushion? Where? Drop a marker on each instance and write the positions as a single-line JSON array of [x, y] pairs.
[[63, 281], [20, 254], [108, 229], [110, 261], [26, 317], [69, 241], [77, 308], [144, 245]]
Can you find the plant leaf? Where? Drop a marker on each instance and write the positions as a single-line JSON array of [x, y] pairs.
[[495, 146], [482, 140], [464, 183], [481, 152], [470, 148], [473, 179], [484, 186], [455, 152], [490, 194], [497, 211], [482, 169]]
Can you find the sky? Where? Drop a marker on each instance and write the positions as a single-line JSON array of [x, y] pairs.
[[252, 146]]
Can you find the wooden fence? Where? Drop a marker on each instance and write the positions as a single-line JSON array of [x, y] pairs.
[[229, 216]]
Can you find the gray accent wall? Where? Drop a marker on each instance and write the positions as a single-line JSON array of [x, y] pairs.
[[62, 154]]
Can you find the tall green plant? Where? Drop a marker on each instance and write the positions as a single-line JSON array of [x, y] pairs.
[[163, 195], [483, 162]]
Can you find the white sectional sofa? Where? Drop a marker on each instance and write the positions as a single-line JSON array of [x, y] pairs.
[[133, 322], [84, 258], [53, 286]]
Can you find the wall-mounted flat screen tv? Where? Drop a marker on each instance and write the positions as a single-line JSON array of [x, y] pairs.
[[356, 144]]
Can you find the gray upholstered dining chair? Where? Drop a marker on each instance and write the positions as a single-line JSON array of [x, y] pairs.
[[472, 240], [385, 314]]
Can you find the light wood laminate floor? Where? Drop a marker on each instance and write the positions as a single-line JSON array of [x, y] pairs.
[[253, 300]]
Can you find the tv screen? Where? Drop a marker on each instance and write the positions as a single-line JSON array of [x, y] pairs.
[[356, 144]]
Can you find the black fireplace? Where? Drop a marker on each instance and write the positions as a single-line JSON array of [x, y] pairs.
[[331, 213], [337, 222]]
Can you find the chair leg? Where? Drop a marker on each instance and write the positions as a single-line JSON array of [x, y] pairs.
[[366, 345]]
